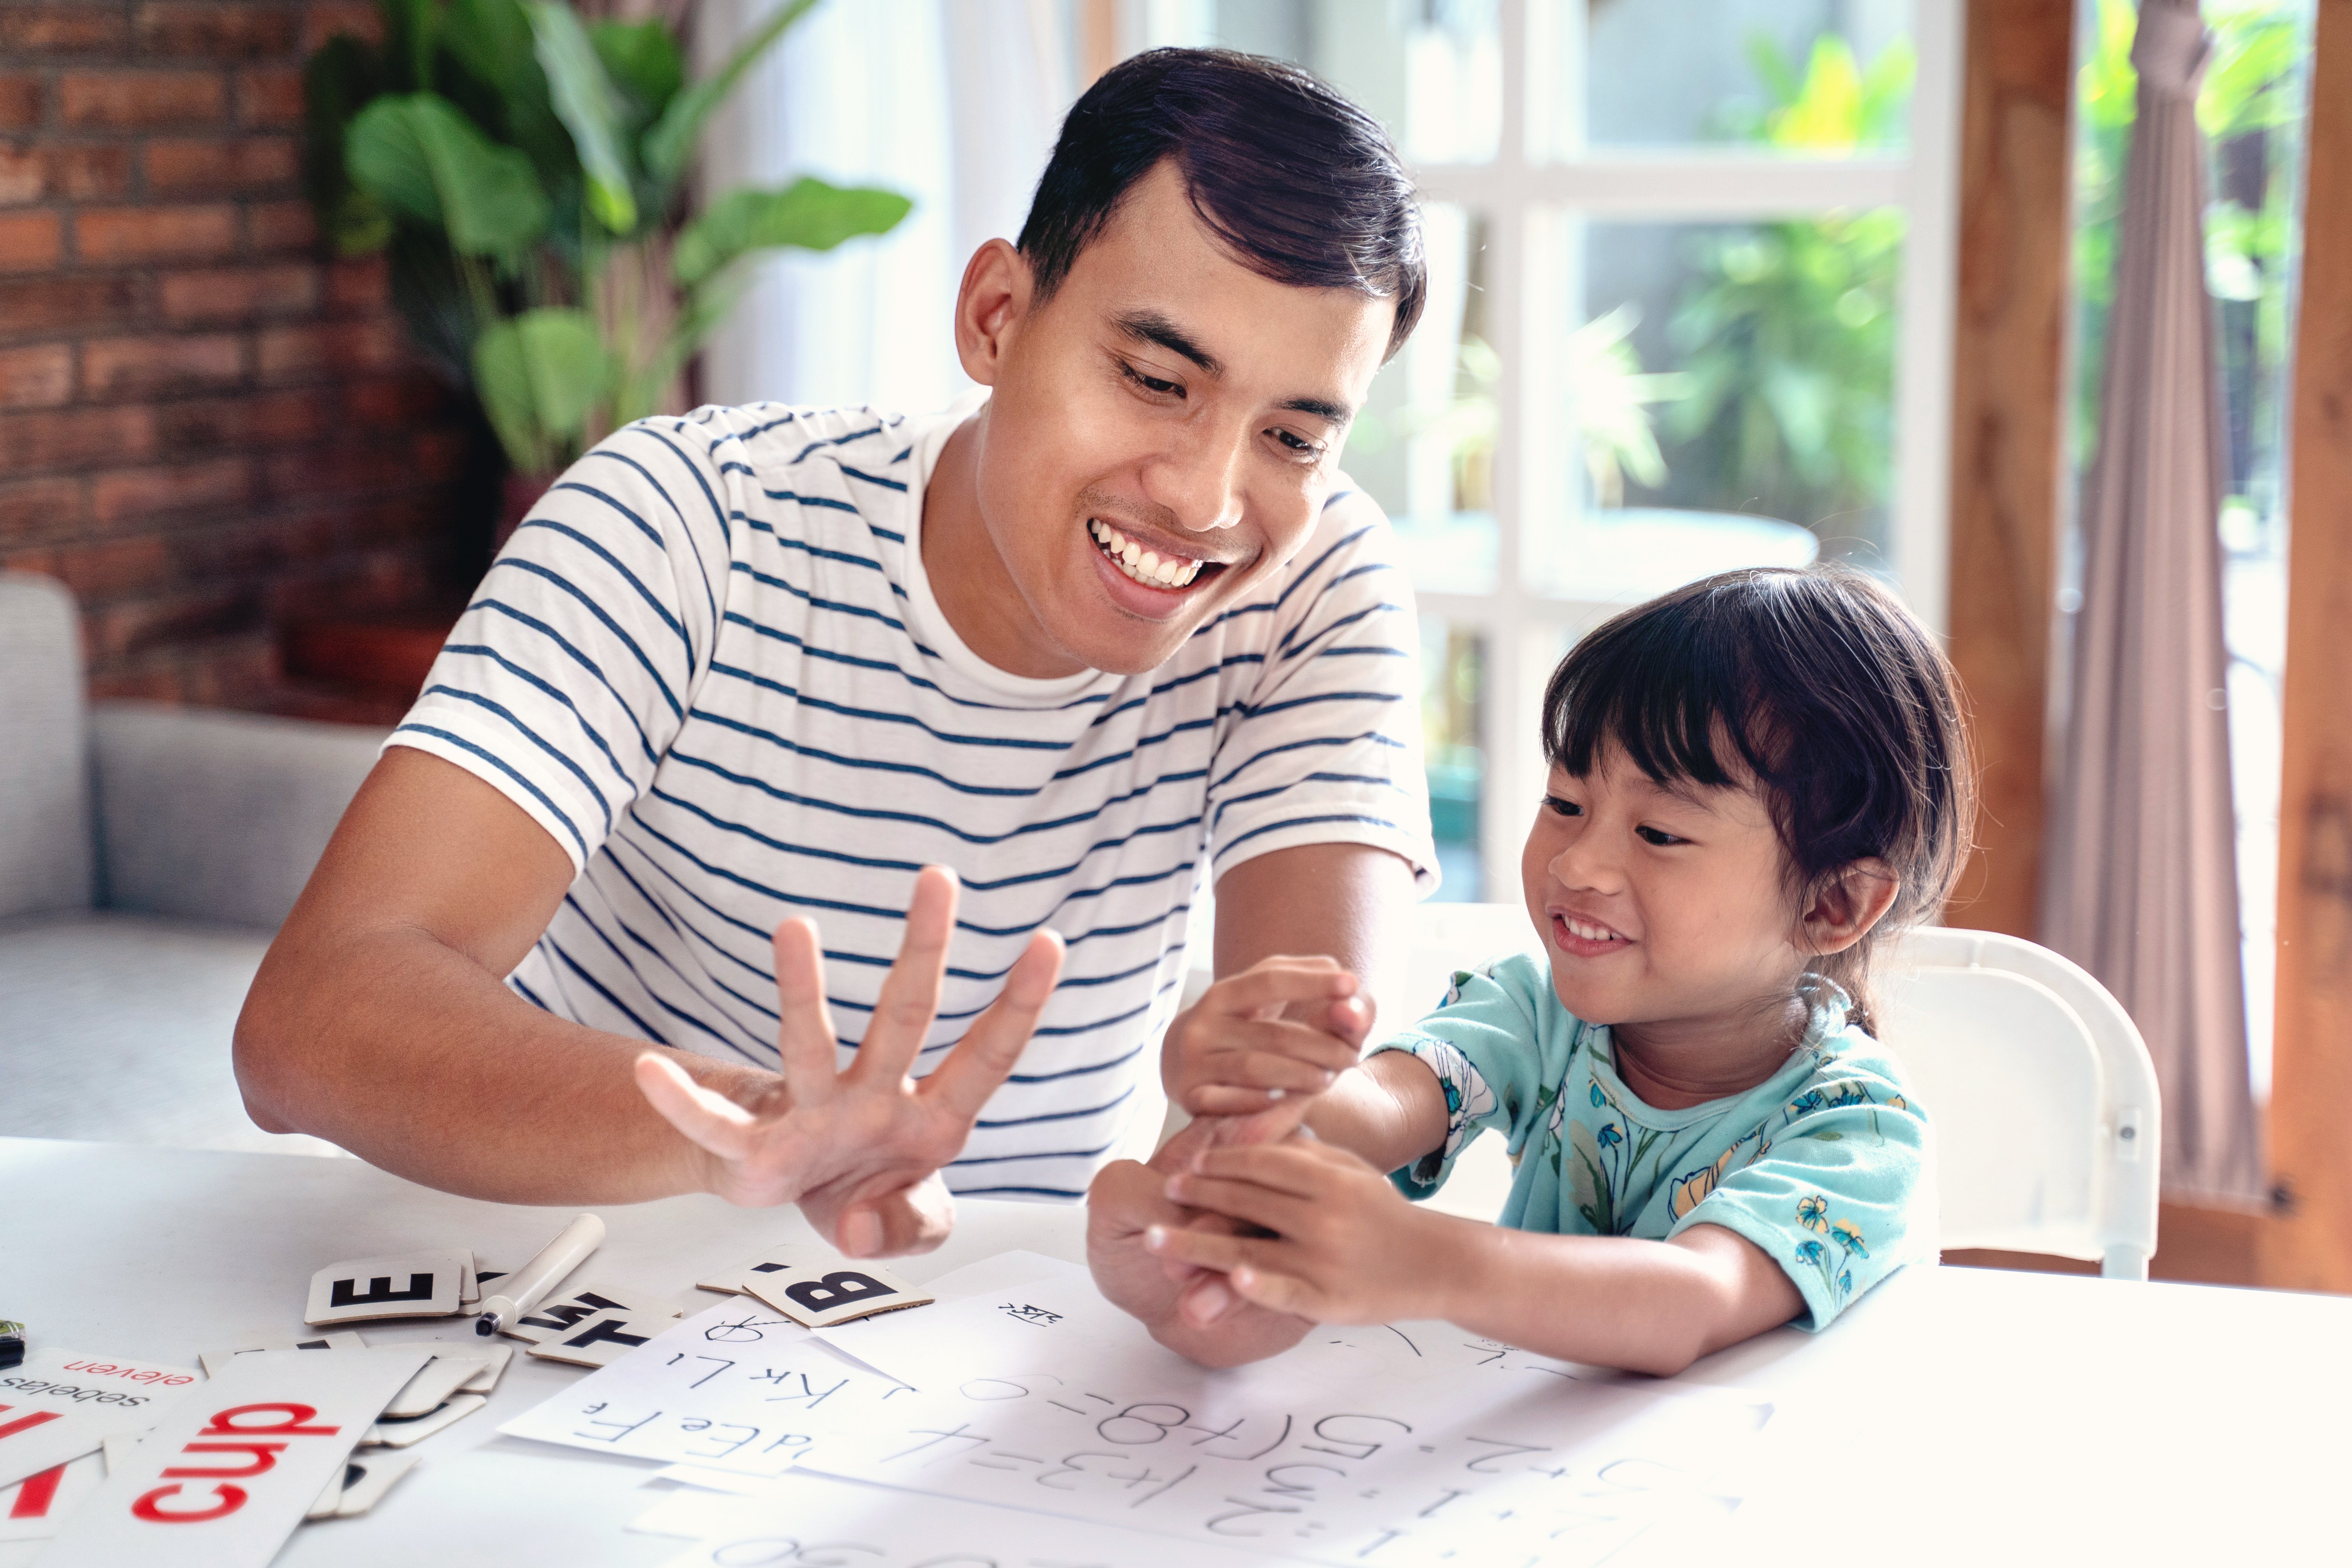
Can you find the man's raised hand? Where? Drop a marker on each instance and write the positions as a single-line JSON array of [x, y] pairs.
[[860, 1150], [1284, 1026]]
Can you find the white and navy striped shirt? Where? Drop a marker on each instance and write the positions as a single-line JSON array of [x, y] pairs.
[[710, 665]]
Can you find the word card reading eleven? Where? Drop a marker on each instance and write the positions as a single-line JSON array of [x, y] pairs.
[[226, 1477]]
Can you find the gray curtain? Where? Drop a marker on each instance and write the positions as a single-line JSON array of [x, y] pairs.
[[2141, 885]]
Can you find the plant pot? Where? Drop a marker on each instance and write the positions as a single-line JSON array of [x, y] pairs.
[[518, 493]]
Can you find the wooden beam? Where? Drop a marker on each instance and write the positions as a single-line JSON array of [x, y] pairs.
[[2310, 1247], [2009, 428]]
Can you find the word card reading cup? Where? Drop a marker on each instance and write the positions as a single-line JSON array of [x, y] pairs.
[[819, 1294], [561, 1314], [60, 1405], [232, 1469], [603, 1339], [412, 1285]]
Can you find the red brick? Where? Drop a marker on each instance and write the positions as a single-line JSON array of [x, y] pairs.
[[39, 508], [270, 419], [62, 30], [269, 96], [75, 439], [398, 400], [141, 493], [239, 293], [363, 285], [361, 20], [37, 377], [244, 31], [118, 630], [288, 351], [138, 100], [74, 173], [20, 101], [281, 226], [179, 166], [146, 367], [30, 240], [346, 470], [154, 234], [96, 569], [61, 304]]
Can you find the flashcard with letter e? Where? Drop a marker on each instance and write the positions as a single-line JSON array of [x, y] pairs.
[[410, 1285], [232, 1469], [558, 1314], [60, 1405], [602, 1340], [829, 1288]]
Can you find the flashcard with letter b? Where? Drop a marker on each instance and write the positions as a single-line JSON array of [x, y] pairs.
[[829, 1289]]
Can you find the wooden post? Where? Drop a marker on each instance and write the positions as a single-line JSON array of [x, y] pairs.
[[2008, 428], [2309, 1246]]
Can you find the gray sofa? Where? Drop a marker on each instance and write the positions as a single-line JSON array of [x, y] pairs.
[[146, 854]]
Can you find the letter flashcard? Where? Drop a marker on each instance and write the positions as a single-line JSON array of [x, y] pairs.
[[412, 1285], [731, 1278], [364, 1480], [836, 1289], [561, 1313], [254, 1340], [400, 1431], [233, 1468], [60, 1405], [603, 1339]]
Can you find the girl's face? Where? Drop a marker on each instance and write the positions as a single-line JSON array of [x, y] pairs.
[[1660, 907]]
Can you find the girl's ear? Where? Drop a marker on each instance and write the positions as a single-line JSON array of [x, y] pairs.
[[1842, 907]]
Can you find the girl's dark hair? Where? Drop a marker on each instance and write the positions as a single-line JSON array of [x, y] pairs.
[[1817, 685], [1303, 186]]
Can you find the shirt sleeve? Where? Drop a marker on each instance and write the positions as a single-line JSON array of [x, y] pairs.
[[1327, 748], [572, 671], [1483, 1045], [1838, 1196]]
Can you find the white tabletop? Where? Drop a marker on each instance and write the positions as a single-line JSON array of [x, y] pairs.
[[1954, 1414]]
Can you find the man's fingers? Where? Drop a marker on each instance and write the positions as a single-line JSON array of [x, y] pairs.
[[1216, 1099], [1206, 1299], [1285, 1214], [711, 1120], [1300, 1169], [1277, 983], [994, 1044], [912, 1220], [910, 993], [1204, 1249], [1301, 1043], [805, 1042]]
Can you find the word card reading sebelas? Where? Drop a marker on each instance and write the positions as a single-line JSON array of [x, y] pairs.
[[226, 1477]]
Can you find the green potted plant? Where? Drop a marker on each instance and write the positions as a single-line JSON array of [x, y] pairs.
[[526, 171]]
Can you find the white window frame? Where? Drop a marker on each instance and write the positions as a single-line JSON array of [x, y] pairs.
[[1520, 196]]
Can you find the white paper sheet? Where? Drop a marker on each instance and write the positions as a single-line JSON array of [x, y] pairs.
[[1339, 1450], [802, 1519], [60, 1405], [735, 1387], [229, 1471]]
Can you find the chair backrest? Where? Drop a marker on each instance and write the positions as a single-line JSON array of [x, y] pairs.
[[45, 822], [2040, 1091]]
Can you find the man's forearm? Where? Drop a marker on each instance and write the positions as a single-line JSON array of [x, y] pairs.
[[414, 1058]]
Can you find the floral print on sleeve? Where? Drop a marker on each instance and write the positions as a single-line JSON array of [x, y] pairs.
[[1469, 1101]]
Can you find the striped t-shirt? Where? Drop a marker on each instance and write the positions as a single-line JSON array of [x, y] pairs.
[[712, 667]]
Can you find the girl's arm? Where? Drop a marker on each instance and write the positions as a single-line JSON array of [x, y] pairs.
[[1348, 1248], [1390, 1110]]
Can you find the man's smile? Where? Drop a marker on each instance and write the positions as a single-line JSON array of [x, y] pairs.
[[1162, 567]]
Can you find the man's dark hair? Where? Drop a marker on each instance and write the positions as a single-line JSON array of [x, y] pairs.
[[1815, 685], [1303, 186]]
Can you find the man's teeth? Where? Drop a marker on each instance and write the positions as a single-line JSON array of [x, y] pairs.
[[1589, 933], [1143, 566]]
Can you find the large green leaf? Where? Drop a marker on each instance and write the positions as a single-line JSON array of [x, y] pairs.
[[670, 143], [540, 375], [590, 107], [423, 159], [644, 60], [809, 214]]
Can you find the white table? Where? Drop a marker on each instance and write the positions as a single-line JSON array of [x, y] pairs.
[[1954, 1415]]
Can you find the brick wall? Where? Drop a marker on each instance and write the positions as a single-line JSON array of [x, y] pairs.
[[206, 424]]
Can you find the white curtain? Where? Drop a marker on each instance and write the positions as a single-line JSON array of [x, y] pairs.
[[952, 102]]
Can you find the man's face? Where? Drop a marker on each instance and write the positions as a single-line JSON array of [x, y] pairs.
[[1162, 434]]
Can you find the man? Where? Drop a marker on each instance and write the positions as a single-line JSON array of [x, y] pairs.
[[743, 675]]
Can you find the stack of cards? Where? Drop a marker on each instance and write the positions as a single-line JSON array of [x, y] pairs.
[[596, 1323], [440, 1283]]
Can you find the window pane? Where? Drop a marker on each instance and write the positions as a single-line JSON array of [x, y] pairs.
[[1799, 77], [1725, 381], [1453, 688], [1432, 71], [1424, 446]]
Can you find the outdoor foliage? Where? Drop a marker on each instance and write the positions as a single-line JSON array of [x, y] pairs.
[[1787, 329], [526, 171]]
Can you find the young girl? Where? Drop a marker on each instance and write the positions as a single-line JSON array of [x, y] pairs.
[[1753, 781]]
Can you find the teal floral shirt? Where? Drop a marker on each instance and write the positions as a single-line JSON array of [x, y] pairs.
[[1823, 1165]]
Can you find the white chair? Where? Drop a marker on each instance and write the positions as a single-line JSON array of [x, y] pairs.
[[2041, 1093], [2040, 1089]]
